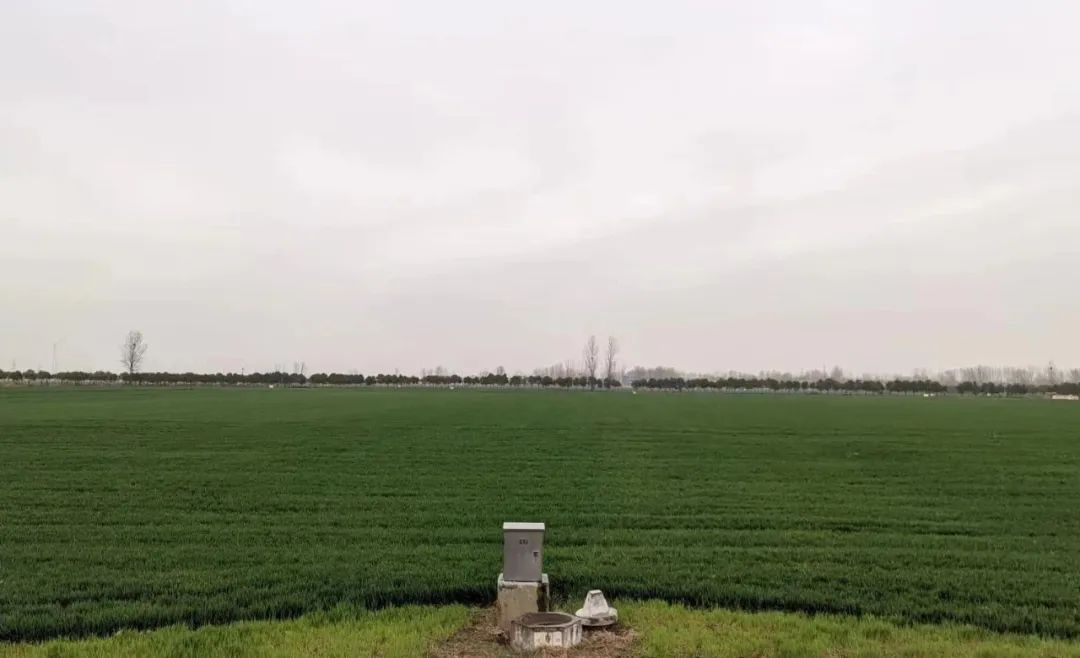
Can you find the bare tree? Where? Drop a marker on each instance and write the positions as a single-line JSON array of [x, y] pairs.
[[984, 374], [132, 351], [609, 361], [590, 355]]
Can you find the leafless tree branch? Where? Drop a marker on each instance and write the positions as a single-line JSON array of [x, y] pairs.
[[132, 351], [590, 356]]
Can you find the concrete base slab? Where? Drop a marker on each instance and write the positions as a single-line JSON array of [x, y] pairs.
[[519, 598]]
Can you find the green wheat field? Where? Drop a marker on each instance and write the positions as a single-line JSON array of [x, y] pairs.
[[146, 508]]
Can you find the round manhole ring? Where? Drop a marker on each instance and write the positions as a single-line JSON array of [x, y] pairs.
[[546, 620]]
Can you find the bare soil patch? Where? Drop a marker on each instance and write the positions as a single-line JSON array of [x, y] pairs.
[[482, 638]]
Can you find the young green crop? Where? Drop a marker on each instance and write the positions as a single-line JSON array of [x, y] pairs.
[[138, 508]]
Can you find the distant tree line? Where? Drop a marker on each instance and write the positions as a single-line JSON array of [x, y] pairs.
[[134, 347], [792, 385], [300, 379], [991, 388], [732, 383], [979, 380], [45, 375], [862, 386]]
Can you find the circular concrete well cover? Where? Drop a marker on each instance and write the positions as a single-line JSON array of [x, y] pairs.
[[540, 621], [536, 630]]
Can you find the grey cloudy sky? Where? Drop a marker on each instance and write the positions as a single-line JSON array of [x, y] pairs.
[[379, 185]]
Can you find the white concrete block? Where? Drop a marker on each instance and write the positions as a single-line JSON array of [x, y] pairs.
[[518, 598]]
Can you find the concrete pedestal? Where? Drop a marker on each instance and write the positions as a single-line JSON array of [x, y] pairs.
[[518, 598]]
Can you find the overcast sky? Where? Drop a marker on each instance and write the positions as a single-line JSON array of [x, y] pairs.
[[400, 185]]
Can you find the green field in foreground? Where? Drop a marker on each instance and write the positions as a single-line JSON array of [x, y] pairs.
[[662, 630], [672, 631], [144, 508], [406, 632]]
